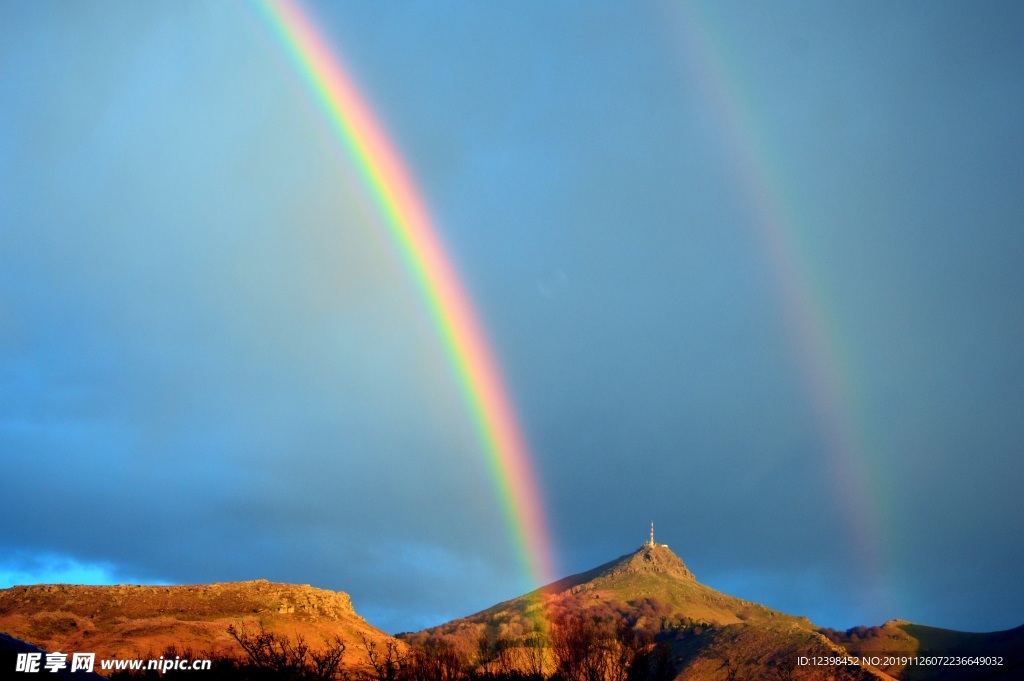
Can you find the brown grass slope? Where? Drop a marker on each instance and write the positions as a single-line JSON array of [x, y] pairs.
[[130, 621], [758, 651]]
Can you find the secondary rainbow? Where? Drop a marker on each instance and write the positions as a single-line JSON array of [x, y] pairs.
[[828, 375], [390, 184]]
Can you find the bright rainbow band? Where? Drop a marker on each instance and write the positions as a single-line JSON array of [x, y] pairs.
[[396, 195]]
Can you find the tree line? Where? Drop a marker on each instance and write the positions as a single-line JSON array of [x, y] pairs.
[[574, 647]]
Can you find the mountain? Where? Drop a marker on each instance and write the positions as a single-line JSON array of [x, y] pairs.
[[641, 617], [651, 592], [130, 621], [652, 587], [651, 595]]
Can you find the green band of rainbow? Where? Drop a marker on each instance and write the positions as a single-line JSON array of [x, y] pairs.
[[403, 210]]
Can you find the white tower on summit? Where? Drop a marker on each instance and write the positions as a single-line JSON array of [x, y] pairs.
[[650, 542]]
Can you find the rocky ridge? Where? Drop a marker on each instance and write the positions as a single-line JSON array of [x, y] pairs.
[[137, 620]]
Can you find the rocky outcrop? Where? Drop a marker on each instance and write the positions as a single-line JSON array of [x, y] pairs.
[[649, 558]]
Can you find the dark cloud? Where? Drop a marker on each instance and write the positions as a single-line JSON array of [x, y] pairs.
[[213, 365]]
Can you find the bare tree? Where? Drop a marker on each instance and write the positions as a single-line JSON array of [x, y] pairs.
[[271, 652], [291, 661], [388, 661], [505, 658], [582, 651], [486, 652], [437, 661], [653, 662], [734, 666], [535, 648], [325, 663]]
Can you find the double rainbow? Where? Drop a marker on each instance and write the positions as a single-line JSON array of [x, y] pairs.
[[390, 185]]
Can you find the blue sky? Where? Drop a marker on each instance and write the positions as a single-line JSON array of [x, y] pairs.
[[214, 367]]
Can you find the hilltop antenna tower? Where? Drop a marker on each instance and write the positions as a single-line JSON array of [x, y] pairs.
[[649, 544]]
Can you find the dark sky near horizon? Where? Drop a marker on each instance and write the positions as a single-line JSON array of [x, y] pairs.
[[753, 272]]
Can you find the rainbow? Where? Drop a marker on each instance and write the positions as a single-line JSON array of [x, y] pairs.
[[391, 187], [827, 375]]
